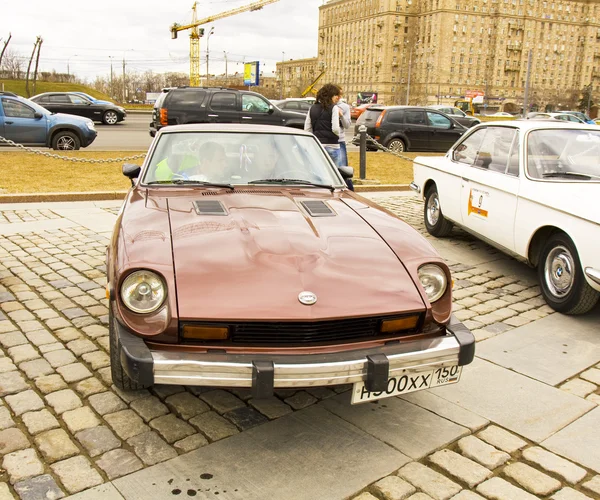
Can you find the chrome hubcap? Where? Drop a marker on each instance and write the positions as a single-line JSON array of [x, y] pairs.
[[396, 146], [111, 118], [66, 143], [559, 271], [433, 209]]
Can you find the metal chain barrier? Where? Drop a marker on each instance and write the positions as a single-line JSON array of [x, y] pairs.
[[356, 139], [69, 158]]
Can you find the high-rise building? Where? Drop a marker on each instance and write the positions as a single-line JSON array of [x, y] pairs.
[[430, 51]]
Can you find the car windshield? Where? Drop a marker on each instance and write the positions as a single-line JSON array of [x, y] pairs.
[[564, 154], [239, 158]]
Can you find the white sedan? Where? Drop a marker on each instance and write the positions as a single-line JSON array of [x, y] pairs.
[[530, 188]]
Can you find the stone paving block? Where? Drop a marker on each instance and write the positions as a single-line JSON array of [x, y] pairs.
[[6, 420], [21, 465], [365, 496], [271, 408], [50, 383], [301, 399], [60, 358], [499, 489], [104, 342], [460, 468], [129, 396], [36, 368], [579, 387], [419, 496], [151, 449], [22, 353], [117, 463], [12, 339], [593, 485], [98, 440], [68, 334], [81, 346], [476, 449], [531, 479], [57, 346], [149, 408], [592, 375], [37, 488], [6, 365], [569, 494], [89, 386], [39, 421], [97, 359], [213, 426], [64, 400], [393, 488], [57, 323], [82, 321], [105, 375], [467, 495], [222, 401], [172, 428], [95, 331], [186, 405], [190, 443], [320, 392], [126, 423], [30, 326], [74, 372], [553, 463], [24, 401], [40, 337], [11, 440], [106, 402], [76, 474], [245, 418], [55, 445], [80, 419], [430, 481]]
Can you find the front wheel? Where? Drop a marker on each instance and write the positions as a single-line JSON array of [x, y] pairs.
[[110, 118], [396, 145], [65, 141], [435, 222], [561, 277]]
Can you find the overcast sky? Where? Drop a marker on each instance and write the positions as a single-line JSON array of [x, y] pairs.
[[87, 34]]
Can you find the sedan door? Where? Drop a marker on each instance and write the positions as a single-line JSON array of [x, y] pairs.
[[84, 107], [59, 103], [21, 125], [490, 186], [257, 110], [224, 108], [443, 132]]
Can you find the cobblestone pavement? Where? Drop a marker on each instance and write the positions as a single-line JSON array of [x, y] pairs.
[[65, 428]]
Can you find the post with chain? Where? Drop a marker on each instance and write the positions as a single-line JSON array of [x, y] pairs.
[[362, 130]]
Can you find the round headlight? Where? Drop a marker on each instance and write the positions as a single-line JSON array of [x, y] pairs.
[[433, 279], [143, 292]]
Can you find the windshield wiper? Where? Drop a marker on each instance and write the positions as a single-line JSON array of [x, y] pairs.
[[575, 175], [192, 181], [292, 181]]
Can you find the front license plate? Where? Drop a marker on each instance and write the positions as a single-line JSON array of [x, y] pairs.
[[406, 382]]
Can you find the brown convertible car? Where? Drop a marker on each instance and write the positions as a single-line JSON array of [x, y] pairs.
[[240, 259]]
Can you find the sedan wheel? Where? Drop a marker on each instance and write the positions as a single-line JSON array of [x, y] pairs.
[[396, 145], [562, 281], [110, 118], [435, 222]]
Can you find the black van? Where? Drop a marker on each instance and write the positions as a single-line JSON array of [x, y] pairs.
[[182, 105]]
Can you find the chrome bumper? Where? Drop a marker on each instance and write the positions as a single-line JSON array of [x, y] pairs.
[[593, 274], [263, 373], [415, 187]]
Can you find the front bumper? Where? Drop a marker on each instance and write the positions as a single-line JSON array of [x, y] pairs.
[[263, 373]]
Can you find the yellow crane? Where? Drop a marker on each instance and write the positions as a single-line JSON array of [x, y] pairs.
[[311, 87], [198, 32]]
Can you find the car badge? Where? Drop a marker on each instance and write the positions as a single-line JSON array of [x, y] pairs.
[[307, 298]]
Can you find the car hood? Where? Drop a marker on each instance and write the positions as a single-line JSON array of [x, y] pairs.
[[67, 118], [255, 260]]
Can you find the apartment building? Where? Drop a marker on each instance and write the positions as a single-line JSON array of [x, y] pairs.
[[430, 51], [296, 75]]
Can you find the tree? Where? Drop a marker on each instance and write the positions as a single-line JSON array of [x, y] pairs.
[[586, 101], [4, 48]]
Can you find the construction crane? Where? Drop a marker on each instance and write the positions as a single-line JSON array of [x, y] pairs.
[[311, 87], [198, 32]]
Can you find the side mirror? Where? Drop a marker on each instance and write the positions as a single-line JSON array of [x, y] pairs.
[[37, 115], [271, 109], [132, 171], [347, 172]]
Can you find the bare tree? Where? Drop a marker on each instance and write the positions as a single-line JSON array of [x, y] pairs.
[[37, 40], [11, 64], [4, 48], [37, 61]]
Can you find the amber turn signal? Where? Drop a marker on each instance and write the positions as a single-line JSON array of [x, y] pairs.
[[399, 324], [195, 332]]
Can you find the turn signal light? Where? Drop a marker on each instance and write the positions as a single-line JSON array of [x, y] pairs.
[[163, 116], [399, 324], [195, 332]]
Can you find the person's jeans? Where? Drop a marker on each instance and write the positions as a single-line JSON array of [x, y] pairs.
[[343, 155], [334, 153], [336, 156]]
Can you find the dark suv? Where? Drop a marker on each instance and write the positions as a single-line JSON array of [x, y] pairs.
[[410, 128], [219, 105]]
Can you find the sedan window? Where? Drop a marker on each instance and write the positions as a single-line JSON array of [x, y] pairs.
[[438, 121], [16, 109], [59, 99], [77, 99], [495, 149], [466, 151]]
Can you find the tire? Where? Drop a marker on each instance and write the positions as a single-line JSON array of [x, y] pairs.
[[396, 145], [119, 377], [561, 277], [110, 117], [65, 141], [435, 222]]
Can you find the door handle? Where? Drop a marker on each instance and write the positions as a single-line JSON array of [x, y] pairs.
[[9, 123], [213, 116], [246, 118]]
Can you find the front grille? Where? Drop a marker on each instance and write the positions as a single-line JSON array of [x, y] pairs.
[[307, 333]]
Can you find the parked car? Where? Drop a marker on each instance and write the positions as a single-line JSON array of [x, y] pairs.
[[582, 116], [457, 114], [567, 117], [25, 122], [410, 128], [530, 188], [240, 259], [356, 111], [76, 104], [298, 105], [501, 113], [156, 110], [183, 105]]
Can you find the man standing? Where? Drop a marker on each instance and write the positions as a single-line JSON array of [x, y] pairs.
[[345, 123]]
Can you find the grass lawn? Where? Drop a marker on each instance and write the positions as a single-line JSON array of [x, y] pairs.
[[18, 87], [30, 173]]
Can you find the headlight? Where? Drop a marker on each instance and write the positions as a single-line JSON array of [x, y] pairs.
[[122, 110], [143, 292], [433, 279], [90, 125]]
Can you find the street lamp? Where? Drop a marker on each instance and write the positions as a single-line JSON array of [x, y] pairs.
[[124, 92], [111, 76], [282, 61], [212, 30], [68, 68], [226, 75]]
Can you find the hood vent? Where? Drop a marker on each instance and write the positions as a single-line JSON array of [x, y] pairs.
[[244, 191], [209, 207], [317, 208]]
